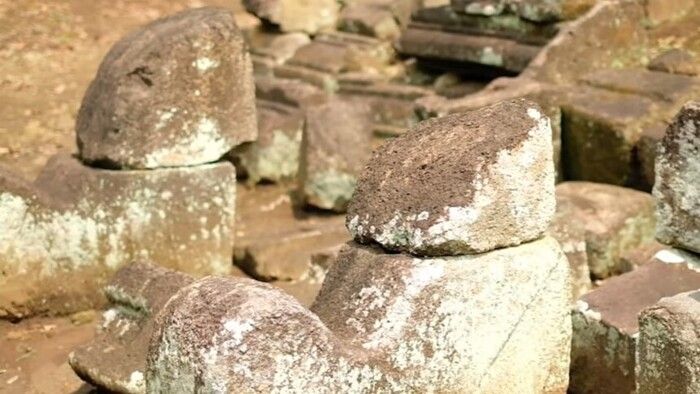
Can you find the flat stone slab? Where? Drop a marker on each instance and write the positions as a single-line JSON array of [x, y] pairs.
[[382, 322], [63, 236], [677, 187], [177, 92], [605, 325], [463, 183]]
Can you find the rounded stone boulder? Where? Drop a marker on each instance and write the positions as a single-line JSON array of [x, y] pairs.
[[461, 184], [177, 92]]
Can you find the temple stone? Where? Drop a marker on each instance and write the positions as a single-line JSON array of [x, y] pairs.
[[382, 322], [464, 183], [116, 359], [605, 326], [677, 187], [177, 92], [337, 142], [309, 16], [603, 222], [64, 235], [669, 346]]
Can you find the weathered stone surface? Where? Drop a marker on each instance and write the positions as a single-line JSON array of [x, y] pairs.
[[177, 92], [605, 324], [646, 150], [464, 183], [669, 346], [480, 7], [677, 186], [337, 142], [116, 358], [282, 47], [660, 11], [412, 325], [62, 237], [676, 61], [653, 84], [603, 222], [551, 10], [309, 16], [640, 255], [369, 19], [288, 92]]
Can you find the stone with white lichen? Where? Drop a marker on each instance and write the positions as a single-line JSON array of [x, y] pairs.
[[136, 294], [64, 235], [177, 92], [677, 187], [336, 143], [463, 183], [669, 346], [382, 323]]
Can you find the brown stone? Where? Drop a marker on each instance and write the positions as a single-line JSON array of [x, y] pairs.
[[552, 11], [369, 19], [294, 15], [463, 183], [176, 92], [676, 61], [282, 47], [653, 84], [661, 11], [63, 237], [605, 323]]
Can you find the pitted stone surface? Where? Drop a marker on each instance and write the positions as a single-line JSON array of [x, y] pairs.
[[296, 15], [382, 323], [677, 187], [464, 183], [176, 92], [116, 359], [62, 237]]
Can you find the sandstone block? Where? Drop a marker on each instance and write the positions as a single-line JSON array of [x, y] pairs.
[[62, 237], [295, 15], [282, 47], [176, 92], [387, 323], [669, 346], [337, 142], [661, 11], [603, 222], [463, 183], [677, 187], [605, 326]]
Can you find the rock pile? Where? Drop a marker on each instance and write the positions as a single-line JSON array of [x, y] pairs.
[[167, 103]]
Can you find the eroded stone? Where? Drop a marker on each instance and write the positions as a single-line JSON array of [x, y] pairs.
[[464, 183]]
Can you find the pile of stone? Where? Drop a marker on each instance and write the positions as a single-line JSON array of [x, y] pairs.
[[640, 329], [449, 292], [168, 102]]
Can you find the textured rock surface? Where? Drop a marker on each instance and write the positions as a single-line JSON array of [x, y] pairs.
[[669, 346], [552, 10], [605, 325], [463, 183], [676, 61], [337, 142], [309, 16], [411, 325], [603, 221], [62, 237], [116, 359], [677, 187], [176, 92]]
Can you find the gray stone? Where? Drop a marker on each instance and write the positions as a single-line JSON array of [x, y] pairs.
[[677, 187], [669, 346], [308, 16], [177, 92], [463, 183], [382, 322]]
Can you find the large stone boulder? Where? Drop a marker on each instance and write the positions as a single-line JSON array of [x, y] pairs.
[[677, 187], [382, 322], [464, 183], [179, 91]]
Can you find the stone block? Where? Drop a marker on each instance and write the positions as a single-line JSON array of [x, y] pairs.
[[646, 149], [308, 16], [676, 61]]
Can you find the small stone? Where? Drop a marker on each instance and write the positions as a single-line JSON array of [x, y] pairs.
[[677, 187], [284, 46], [676, 61], [463, 183], [177, 92], [308, 16], [337, 142], [669, 346]]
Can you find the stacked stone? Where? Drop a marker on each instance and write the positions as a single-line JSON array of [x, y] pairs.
[[168, 101]]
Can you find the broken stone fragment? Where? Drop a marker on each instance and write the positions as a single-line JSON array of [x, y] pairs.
[[676, 61], [605, 326], [677, 187], [177, 92], [463, 183], [115, 360], [62, 237], [308, 16], [336, 144], [669, 346], [603, 222], [382, 323]]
